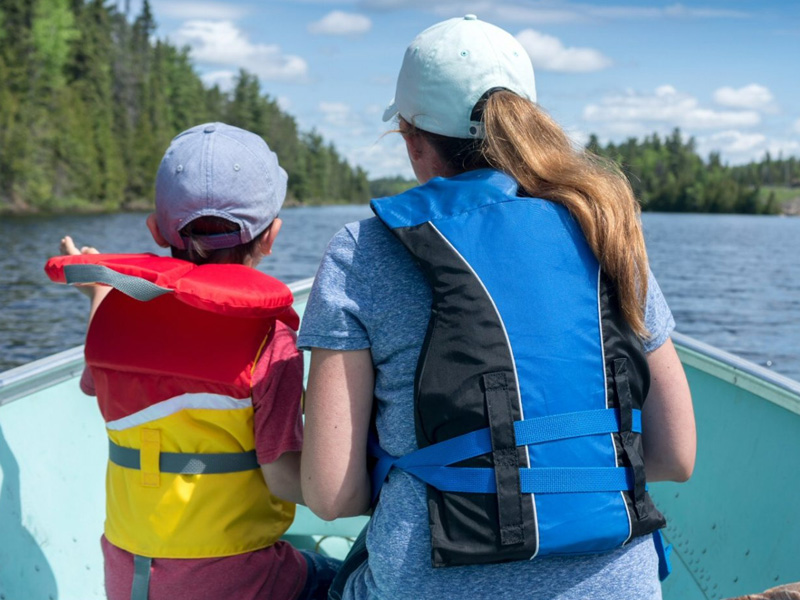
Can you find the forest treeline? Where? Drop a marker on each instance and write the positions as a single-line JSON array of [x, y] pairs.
[[90, 98], [89, 101], [667, 174]]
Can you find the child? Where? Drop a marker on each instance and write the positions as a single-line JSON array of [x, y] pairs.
[[194, 364]]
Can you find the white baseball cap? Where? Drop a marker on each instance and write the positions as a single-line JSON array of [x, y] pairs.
[[449, 67]]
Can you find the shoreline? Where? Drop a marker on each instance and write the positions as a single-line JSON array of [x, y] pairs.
[[790, 209], [133, 207]]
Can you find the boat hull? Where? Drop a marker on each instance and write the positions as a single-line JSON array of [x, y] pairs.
[[733, 526]]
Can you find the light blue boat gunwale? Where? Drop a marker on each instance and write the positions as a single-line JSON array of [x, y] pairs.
[[734, 526], [733, 533], [43, 373]]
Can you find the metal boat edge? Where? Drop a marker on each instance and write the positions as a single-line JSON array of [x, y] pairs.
[[27, 379], [742, 373]]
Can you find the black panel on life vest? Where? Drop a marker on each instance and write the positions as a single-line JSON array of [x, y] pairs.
[[621, 343], [466, 355]]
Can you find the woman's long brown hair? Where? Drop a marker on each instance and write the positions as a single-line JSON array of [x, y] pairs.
[[524, 142]]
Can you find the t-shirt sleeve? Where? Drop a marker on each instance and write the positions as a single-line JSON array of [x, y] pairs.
[[657, 317], [87, 382], [337, 310], [277, 393]]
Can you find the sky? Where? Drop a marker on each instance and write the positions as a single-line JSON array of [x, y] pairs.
[[724, 71]]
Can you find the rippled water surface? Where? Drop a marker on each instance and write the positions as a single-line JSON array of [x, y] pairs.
[[731, 280], [39, 318]]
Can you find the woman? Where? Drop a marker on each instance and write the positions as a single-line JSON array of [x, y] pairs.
[[506, 288]]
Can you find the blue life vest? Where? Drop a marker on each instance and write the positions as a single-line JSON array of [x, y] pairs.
[[530, 383]]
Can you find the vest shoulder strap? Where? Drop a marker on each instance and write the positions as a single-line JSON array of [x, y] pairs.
[[232, 290]]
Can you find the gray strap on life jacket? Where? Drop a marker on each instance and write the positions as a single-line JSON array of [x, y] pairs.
[[187, 463], [141, 577], [135, 287]]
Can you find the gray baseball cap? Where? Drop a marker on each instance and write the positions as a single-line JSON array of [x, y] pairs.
[[222, 171]]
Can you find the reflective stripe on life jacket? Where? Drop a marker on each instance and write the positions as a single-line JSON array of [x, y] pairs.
[[530, 382], [173, 381]]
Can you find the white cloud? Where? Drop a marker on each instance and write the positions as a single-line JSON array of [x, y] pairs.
[[784, 147], [750, 96], [797, 126], [185, 10], [383, 157], [361, 137], [738, 147], [284, 103], [674, 11], [357, 122], [731, 142], [224, 79], [222, 43], [683, 12], [550, 54], [341, 23], [524, 12], [348, 127], [509, 12], [667, 106], [578, 137], [337, 114]]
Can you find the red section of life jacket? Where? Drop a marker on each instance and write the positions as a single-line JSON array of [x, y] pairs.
[[233, 290]]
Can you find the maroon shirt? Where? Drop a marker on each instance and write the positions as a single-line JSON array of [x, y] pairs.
[[277, 572]]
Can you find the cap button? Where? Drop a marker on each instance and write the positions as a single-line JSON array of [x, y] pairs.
[[470, 18], [210, 128]]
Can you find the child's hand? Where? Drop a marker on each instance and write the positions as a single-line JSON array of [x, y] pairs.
[[68, 248]]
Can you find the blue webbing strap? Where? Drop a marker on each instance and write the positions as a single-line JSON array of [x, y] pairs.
[[663, 552], [135, 287], [475, 443], [549, 480], [382, 467], [141, 577]]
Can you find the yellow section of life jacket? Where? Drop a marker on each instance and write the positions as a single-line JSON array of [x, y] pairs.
[[167, 515]]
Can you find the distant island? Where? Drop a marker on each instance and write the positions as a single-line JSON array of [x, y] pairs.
[[89, 100], [667, 175]]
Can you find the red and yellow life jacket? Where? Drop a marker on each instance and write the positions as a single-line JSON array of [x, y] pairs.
[[173, 376]]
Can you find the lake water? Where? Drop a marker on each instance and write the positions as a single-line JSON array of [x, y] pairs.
[[732, 281]]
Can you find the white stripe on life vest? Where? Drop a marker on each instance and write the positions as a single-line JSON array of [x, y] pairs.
[[177, 404]]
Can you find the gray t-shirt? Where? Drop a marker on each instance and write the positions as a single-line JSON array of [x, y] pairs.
[[370, 294]]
